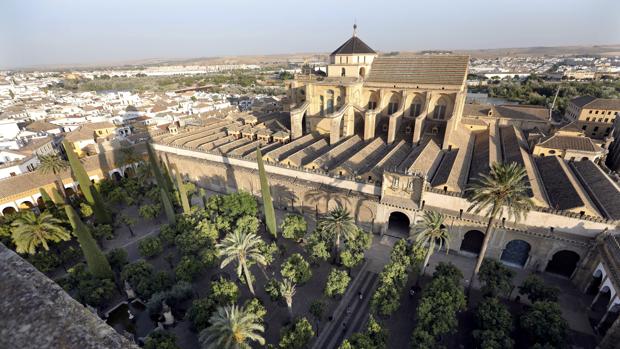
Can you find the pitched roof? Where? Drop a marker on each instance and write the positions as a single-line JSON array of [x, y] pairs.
[[518, 112], [352, 46], [599, 187], [561, 193], [570, 142], [41, 125], [427, 69], [596, 103]]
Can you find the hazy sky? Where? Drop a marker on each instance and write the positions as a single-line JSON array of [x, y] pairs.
[[36, 32]]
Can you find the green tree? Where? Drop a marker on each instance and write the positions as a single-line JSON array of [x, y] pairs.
[[29, 231], [150, 247], [297, 336], [544, 325], [144, 280], [355, 248], [232, 327], [431, 234], [149, 211], [287, 291], [53, 164], [243, 249], [97, 263], [536, 290], [493, 325], [294, 227], [161, 339], [296, 269], [117, 259], [181, 188], [339, 224], [496, 279], [86, 210], [128, 222], [270, 215], [504, 190], [88, 190], [337, 282]]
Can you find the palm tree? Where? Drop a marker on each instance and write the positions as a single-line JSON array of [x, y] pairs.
[[339, 223], [244, 249], [30, 231], [232, 327], [432, 233], [54, 164], [287, 290], [505, 189]]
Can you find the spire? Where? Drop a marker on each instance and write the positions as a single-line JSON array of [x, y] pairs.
[[354, 27]]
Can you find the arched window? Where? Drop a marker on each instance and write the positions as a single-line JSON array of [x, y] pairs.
[[415, 108], [362, 71], [343, 72], [440, 110], [330, 101]]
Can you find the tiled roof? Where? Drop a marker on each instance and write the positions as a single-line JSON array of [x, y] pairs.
[[352, 46], [570, 142], [599, 187], [437, 69], [41, 125], [596, 103], [518, 112], [561, 193]]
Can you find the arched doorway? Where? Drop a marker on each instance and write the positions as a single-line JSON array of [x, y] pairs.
[[472, 242], [516, 253], [563, 263], [26, 205], [117, 176], [9, 210], [40, 202], [595, 284], [600, 303], [398, 224], [69, 192]]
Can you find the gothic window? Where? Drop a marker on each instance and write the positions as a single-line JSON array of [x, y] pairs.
[[440, 112], [392, 108], [395, 182], [372, 105], [415, 109]]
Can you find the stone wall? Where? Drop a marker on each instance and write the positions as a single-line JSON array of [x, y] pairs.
[[37, 313]]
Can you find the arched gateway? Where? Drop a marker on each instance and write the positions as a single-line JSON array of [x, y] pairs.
[[398, 224], [472, 242], [563, 263]]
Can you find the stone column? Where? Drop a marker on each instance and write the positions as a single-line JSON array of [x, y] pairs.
[[393, 127], [370, 124], [296, 123], [334, 132]]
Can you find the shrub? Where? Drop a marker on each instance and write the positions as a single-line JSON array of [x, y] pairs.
[[318, 251], [297, 336], [496, 279], [296, 269], [337, 282], [268, 251], [448, 270], [70, 255], [544, 325], [536, 290], [354, 249], [150, 247], [88, 288], [86, 210], [316, 309], [392, 280], [255, 306], [117, 259], [272, 288], [179, 292], [208, 257], [102, 231], [167, 233], [188, 268], [161, 339], [196, 238], [149, 211], [247, 224], [493, 325], [200, 312], [144, 280], [223, 292], [45, 261], [294, 227]]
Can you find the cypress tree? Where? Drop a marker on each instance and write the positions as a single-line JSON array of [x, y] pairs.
[[56, 197], [182, 192], [203, 196], [97, 263], [165, 199], [157, 172], [270, 215], [90, 193], [47, 200]]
